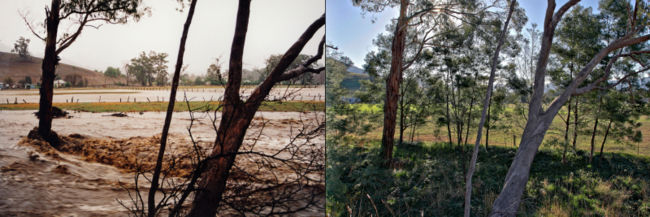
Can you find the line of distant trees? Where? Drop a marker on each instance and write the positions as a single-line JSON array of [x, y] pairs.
[[149, 69]]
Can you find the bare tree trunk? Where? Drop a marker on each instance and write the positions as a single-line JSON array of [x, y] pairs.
[[152, 209], [237, 115], [50, 60], [593, 133], [602, 145], [392, 85], [402, 125], [566, 132], [487, 123], [575, 124], [486, 104], [448, 117]]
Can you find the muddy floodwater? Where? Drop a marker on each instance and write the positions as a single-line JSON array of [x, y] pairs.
[[71, 186], [62, 95]]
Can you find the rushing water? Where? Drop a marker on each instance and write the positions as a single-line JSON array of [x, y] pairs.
[[69, 186]]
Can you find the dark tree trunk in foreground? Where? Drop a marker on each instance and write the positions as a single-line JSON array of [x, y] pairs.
[[486, 104], [170, 111], [237, 114], [539, 120], [392, 85], [50, 60]]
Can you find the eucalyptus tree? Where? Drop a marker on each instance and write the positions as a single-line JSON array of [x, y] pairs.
[[20, 47], [634, 22], [578, 39], [422, 16], [214, 74], [237, 114], [80, 14], [486, 101]]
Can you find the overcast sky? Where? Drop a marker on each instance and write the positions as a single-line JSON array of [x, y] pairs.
[[274, 25], [352, 32]]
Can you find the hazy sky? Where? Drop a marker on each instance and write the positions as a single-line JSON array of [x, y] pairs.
[[352, 32], [274, 25]]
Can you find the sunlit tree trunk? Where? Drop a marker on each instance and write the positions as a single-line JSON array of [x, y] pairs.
[[392, 85]]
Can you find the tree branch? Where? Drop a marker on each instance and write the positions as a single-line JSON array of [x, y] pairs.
[[258, 95]]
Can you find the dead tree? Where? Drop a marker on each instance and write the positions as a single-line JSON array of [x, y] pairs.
[[539, 119], [237, 114]]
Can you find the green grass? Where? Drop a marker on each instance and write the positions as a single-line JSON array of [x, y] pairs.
[[428, 180], [291, 106], [430, 132]]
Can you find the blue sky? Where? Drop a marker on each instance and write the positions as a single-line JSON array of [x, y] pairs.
[[352, 32]]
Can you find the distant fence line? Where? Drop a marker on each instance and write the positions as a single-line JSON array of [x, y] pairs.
[[308, 96]]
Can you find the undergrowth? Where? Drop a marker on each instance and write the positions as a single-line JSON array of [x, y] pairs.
[[428, 180]]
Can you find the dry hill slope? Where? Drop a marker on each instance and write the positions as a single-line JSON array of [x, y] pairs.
[[12, 66]]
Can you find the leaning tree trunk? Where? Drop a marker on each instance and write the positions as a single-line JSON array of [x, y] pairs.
[[50, 60], [539, 119], [151, 200], [508, 200], [392, 86], [486, 104], [237, 115]]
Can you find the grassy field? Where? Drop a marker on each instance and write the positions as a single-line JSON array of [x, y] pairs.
[[428, 180], [500, 136], [291, 106]]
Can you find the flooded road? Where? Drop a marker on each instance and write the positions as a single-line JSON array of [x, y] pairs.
[[70, 186]]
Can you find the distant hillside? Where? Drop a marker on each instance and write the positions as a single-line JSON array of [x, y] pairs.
[[12, 66], [352, 79]]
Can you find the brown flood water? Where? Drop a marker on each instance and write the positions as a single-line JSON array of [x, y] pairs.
[[71, 186]]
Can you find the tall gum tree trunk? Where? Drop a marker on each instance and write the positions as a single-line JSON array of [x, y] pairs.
[[392, 86], [50, 60], [484, 112], [508, 200]]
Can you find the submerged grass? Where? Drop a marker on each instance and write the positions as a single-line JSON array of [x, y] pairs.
[[428, 180], [291, 106]]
